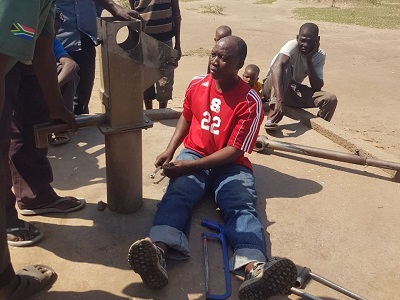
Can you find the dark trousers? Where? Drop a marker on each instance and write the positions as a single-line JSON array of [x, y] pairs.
[[29, 171], [298, 95], [86, 60]]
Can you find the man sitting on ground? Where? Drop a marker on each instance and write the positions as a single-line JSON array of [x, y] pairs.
[[296, 60], [219, 123]]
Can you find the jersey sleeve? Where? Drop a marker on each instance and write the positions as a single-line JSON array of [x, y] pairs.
[[249, 117], [289, 48]]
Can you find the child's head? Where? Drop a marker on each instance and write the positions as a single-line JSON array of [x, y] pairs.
[[222, 31], [250, 74]]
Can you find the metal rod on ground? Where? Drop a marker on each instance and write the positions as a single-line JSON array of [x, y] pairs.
[[303, 294], [263, 142], [305, 275]]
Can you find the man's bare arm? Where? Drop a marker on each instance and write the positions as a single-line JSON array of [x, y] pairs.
[[315, 82], [69, 69], [44, 64]]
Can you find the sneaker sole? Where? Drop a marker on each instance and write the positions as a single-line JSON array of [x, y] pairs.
[[143, 259], [278, 279]]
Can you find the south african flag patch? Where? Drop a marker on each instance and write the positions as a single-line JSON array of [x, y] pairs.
[[22, 31]]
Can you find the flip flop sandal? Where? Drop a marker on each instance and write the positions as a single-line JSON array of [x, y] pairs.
[[59, 138], [52, 207], [271, 126], [32, 280], [23, 243]]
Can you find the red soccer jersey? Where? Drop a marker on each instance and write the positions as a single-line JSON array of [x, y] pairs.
[[221, 119]]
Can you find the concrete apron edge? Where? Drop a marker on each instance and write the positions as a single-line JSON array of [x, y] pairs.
[[321, 126]]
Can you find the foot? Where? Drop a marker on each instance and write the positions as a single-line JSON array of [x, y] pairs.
[[60, 205], [275, 277], [28, 281], [270, 125], [148, 261], [59, 138], [23, 234]]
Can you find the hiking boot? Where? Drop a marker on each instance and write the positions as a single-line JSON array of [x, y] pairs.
[[148, 261], [275, 277]]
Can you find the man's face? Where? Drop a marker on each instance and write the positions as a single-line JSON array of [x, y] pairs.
[[250, 77], [224, 61], [306, 41]]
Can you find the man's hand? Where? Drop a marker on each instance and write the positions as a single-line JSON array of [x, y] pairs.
[[65, 115], [277, 109], [164, 158], [313, 51], [124, 14], [178, 168]]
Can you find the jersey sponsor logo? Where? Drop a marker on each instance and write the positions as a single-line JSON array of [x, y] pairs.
[[22, 31], [205, 84]]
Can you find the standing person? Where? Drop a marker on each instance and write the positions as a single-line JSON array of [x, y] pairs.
[[163, 22], [296, 60], [68, 79], [221, 32], [78, 34], [219, 123], [26, 33]]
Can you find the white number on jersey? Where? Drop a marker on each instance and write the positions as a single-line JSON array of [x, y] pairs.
[[209, 125]]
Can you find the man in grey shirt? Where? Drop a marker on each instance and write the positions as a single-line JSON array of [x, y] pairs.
[[296, 60]]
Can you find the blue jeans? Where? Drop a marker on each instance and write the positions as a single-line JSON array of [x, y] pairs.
[[235, 194]]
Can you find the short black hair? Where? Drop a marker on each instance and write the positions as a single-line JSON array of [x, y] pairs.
[[254, 68], [241, 47], [310, 27]]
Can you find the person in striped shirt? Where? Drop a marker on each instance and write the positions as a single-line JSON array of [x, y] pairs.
[[163, 22], [220, 122]]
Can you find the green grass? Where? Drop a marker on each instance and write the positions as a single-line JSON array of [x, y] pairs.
[[369, 13], [264, 2]]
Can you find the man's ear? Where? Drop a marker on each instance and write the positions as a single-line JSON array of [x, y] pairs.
[[319, 38], [297, 37]]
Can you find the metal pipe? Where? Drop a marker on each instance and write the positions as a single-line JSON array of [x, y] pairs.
[[263, 142], [42, 131], [335, 286], [303, 294], [305, 275]]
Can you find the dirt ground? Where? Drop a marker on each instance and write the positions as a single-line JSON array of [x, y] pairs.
[[338, 219], [362, 66]]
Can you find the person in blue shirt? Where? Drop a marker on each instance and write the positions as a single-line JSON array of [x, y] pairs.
[[78, 34], [68, 78]]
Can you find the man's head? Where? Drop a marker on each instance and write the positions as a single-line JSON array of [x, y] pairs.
[[58, 20], [221, 32], [227, 57], [250, 74], [308, 38]]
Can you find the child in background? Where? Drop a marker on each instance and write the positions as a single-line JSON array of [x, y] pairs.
[[221, 32], [250, 76]]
